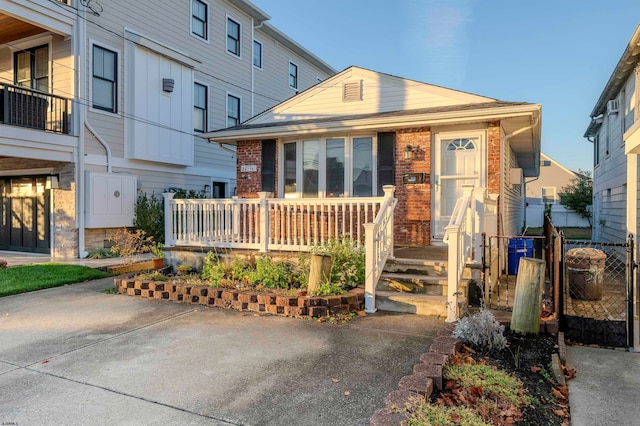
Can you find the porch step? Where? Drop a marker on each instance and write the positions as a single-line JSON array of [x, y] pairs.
[[413, 283], [417, 266], [420, 304]]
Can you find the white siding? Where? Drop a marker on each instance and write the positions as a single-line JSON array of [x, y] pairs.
[[380, 93], [610, 175], [512, 203]]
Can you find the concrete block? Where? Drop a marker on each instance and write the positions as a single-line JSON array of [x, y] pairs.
[[434, 358], [418, 382], [433, 371]]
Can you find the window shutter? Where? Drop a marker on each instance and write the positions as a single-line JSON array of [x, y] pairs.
[[268, 172], [386, 160]]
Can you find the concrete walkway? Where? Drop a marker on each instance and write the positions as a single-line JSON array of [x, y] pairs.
[[75, 355], [606, 390]]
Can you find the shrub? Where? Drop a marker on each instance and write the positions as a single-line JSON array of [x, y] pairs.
[[101, 253], [481, 330], [348, 261], [180, 193], [3, 263], [326, 289], [213, 270], [149, 216], [128, 243], [272, 274]]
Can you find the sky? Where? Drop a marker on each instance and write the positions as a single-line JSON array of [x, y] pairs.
[[557, 53]]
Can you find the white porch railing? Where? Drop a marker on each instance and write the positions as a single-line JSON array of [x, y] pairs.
[[269, 223], [460, 236], [378, 247]]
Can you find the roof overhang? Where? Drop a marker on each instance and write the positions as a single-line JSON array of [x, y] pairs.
[[629, 60], [523, 122], [296, 48], [252, 10]]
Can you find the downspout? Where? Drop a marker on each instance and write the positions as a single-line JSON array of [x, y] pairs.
[[525, 198], [80, 65], [102, 142], [251, 65]]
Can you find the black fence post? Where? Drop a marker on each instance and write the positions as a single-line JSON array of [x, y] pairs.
[[561, 282]]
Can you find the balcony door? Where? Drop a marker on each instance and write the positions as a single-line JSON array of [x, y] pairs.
[[31, 68], [24, 214]]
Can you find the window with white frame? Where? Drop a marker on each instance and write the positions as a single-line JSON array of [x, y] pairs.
[[233, 110], [548, 194], [233, 37], [293, 75], [104, 82], [257, 54], [199, 108], [329, 167], [199, 19]]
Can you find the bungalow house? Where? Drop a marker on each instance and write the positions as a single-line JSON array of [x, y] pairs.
[[383, 159], [544, 193], [614, 131]]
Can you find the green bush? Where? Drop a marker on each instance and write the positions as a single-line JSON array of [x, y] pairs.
[[213, 270], [326, 289], [348, 262], [180, 193], [272, 274], [101, 253], [149, 216]]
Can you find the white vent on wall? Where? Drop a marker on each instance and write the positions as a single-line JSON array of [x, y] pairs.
[[352, 92], [612, 106]]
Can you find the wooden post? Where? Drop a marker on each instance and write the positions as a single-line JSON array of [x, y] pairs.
[[320, 272], [527, 304]]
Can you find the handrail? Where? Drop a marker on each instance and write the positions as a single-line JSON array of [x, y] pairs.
[[34, 109], [459, 241], [378, 246]]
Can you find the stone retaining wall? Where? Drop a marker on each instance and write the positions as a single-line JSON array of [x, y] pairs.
[[292, 306]]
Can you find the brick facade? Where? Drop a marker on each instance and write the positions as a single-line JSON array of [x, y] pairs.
[[412, 218], [493, 156], [249, 183]]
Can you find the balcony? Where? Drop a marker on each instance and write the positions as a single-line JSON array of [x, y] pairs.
[[33, 109]]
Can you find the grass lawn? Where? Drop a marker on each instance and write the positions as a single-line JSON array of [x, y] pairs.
[[22, 279]]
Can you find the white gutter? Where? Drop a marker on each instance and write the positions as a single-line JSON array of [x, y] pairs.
[[102, 142], [253, 46], [80, 65], [377, 122]]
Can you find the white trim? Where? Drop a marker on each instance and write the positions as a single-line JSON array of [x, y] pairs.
[[208, 22], [119, 79], [42, 13], [226, 108], [226, 181], [296, 88], [207, 118], [141, 165], [261, 54], [376, 123], [25, 172], [226, 37], [138, 38]]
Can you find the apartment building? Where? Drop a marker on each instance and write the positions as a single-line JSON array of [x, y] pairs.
[[102, 101]]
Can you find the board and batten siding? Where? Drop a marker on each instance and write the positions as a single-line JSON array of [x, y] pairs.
[[610, 174]]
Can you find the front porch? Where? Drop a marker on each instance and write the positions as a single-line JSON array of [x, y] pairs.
[[284, 227]]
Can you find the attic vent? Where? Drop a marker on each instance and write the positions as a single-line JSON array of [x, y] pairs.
[[612, 106], [352, 92], [545, 163]]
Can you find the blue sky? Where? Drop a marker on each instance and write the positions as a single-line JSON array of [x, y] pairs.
[[558, 53]]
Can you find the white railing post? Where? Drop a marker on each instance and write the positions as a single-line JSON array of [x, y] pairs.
[[452, 273], [168, 219], [467, 192], [389, 191], [264, 221], [369, 269], [235, 212]]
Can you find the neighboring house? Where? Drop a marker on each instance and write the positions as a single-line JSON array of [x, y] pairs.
[[360, 130], [614, 132], [100, 101], [545, 190]]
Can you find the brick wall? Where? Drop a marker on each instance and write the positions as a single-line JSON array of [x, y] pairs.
[[412, 218], [249, 183], [493, 152]]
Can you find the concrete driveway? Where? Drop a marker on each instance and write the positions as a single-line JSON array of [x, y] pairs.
[[75, 355]]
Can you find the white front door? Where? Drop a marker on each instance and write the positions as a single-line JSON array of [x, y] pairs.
[[457, 163]]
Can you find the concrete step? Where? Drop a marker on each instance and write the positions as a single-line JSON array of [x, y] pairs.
[[413, 283], [417, 266], [420, 304]]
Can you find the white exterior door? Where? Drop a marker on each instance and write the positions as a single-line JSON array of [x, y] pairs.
[[457, 163]]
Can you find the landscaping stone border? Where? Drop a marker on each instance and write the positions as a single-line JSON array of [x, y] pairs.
[[427, 374], [291, 306]]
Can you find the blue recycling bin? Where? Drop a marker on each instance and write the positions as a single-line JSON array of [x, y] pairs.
[[518, 247]]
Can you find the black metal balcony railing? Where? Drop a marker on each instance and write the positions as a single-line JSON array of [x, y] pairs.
[[24, 107]]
